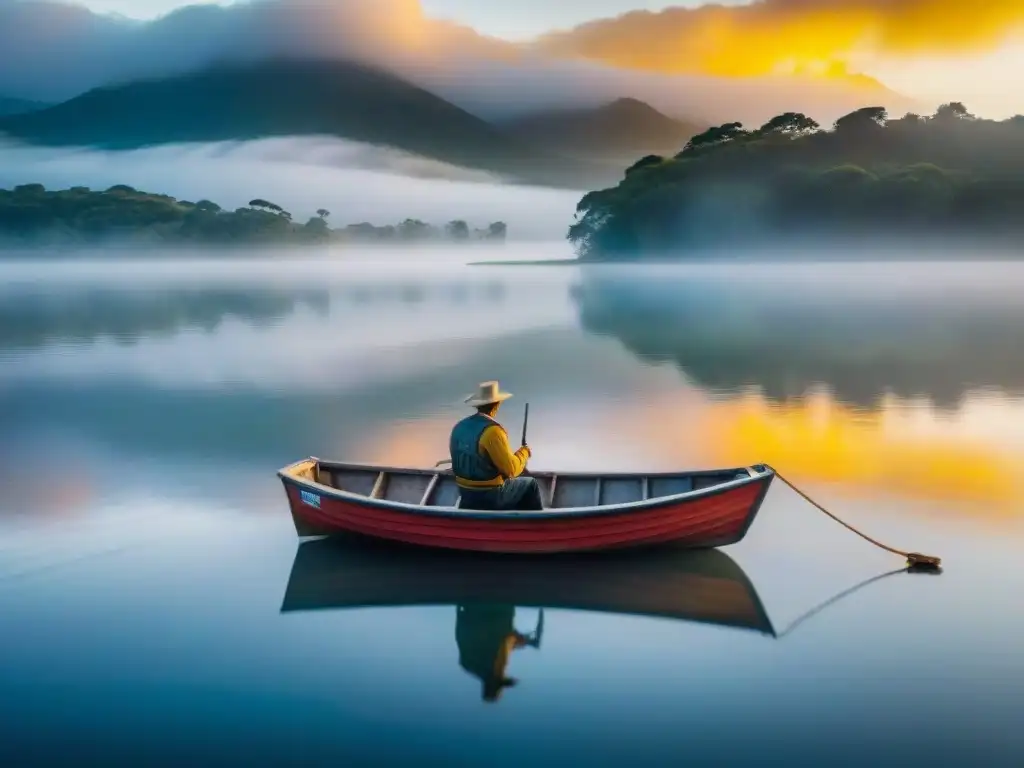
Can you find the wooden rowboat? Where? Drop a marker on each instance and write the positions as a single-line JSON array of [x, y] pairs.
[[585, 511], [667, 581]]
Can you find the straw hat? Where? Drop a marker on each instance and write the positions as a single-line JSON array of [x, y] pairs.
[[487, 393]]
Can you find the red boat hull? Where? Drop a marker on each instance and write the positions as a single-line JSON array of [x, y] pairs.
[[713, 518]]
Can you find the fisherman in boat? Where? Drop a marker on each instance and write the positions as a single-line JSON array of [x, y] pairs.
[[487, 471]]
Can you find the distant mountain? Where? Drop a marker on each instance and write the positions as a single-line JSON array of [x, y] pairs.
[[11, 106], [295, 98], [622, 130]]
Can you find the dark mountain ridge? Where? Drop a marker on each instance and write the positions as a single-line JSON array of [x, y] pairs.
[[12, 106], [291, 97], [624, 129]]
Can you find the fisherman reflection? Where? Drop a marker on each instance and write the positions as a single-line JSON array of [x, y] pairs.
[[486, 636]]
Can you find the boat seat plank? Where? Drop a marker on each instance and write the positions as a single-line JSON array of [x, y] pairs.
[[574, 492], [380, 485], [667, 486], [545, 486], [446, 492], [323, 476], [359, 481], [431, 485], [622, 490], [406, 488]]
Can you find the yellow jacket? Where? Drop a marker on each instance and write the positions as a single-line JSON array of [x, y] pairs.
[[494, 442]]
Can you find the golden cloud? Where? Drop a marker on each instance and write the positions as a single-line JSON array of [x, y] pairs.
[[817, 37]]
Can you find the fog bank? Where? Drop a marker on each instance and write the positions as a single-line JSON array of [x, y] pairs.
[[356, 182], [52, 50]]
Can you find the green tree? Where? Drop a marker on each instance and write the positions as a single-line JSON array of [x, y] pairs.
[[260, 203], [316, 228], [791, 124], [413, 229], [952, 112], [457, 230], [720, 134], [861, 120], [647, 161]]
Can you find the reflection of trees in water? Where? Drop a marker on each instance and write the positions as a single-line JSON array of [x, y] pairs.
[[247, 423], [419, 293], [224, 424], [729, 336], [36, 318]]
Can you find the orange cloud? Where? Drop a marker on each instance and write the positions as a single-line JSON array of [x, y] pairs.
[[817, 37]]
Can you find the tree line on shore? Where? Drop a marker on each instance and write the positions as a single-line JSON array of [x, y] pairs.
[[865, 176], [31, 214]]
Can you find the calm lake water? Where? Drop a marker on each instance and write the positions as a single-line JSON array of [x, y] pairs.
[[150, 576]]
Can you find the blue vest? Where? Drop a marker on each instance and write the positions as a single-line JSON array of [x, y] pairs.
[[468, 462]]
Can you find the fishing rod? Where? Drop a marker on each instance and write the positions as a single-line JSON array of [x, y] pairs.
[[526, 420]]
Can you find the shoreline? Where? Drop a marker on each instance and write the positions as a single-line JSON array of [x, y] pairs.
[[865, 258], [526, 263]]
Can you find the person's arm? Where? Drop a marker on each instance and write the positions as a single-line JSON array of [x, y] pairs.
[[494, 442]]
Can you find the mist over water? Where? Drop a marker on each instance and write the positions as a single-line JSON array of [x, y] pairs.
[[356, 182], [143, 568], [148, 396]]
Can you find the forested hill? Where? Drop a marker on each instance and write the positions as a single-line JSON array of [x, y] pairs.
[[31, 215], [866, 175]]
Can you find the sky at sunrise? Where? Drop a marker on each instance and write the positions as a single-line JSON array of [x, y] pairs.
[[929, 50]]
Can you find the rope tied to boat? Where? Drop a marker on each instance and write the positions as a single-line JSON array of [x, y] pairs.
[[915, 560]]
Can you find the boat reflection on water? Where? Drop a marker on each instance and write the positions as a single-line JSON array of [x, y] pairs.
[[705, 586], [693, 585], [702, 586]]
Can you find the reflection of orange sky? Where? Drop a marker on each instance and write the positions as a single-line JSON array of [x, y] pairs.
[[894, 449], [899, 448], [64, 494]]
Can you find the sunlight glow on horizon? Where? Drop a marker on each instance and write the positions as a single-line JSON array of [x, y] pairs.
[[839, 44], [902, 448], [986, 83]]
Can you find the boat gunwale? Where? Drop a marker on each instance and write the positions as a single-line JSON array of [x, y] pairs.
[[762, 473]]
